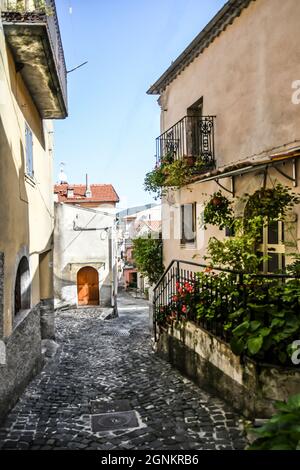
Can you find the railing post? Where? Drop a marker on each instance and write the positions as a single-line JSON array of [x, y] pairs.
[[154, 316]]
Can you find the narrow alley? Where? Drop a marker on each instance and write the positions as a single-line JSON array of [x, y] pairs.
[[103, 367]]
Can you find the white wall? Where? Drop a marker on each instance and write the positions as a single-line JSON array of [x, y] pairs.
[[75, 249]]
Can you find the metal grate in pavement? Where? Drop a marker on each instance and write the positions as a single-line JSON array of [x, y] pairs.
[[114, 421]]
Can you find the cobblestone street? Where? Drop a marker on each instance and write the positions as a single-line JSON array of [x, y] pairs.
[[108, 366]]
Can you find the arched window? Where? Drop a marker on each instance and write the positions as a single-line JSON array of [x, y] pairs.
[[22, 286]]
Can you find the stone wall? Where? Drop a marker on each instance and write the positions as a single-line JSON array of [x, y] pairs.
[[1, 292], [23, 359], [249, 387]]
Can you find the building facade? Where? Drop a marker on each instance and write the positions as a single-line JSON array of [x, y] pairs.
[[231, 101], [143, 223], [32, 93], [85, 260]]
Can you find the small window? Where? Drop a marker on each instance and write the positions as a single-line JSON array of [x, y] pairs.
[[29, 151], [22, 286], [188, 223]]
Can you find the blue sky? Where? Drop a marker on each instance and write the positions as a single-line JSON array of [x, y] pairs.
[[112, 125]]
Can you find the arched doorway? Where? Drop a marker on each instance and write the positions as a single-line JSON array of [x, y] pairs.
[[88, 286], [22, 286]]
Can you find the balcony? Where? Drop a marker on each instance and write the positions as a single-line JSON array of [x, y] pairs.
[[32, 32], [193, 138]]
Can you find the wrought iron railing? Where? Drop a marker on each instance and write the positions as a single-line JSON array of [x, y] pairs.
[[180, 272], [192, 137]]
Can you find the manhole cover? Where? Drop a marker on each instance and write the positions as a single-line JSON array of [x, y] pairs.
[[114, 421], [100, 406]]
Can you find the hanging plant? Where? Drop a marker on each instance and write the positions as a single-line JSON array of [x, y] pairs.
[[272, 203], [218, 211], [169, 174]]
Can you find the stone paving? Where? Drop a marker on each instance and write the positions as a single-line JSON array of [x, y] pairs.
[[109, 366]]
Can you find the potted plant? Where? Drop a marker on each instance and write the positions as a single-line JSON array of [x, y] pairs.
[[218, 211]]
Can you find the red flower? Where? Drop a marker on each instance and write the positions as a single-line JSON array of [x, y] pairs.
[[177, 285], [184, 309], [175, 298]]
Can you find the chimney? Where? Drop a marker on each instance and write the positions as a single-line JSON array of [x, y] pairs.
[[88, 192], [70, 192]]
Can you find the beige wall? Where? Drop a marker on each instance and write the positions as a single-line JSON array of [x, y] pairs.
[[199, 193], [26, 209], [245, 77]]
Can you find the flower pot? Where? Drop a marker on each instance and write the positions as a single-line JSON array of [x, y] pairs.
[[190, 160], [216, 201]]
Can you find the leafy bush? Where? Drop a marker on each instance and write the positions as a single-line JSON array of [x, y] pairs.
[[147, 254], [238, 253], [282, 431], [261, 317]]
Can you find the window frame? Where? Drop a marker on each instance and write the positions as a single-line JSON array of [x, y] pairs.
[[267, 248], [183, 240], [29, 168]]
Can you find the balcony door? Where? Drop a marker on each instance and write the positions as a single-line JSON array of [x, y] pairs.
[[194, 139]]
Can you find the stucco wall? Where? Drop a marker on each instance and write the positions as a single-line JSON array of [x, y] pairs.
[[75, 249], [199, 193], [26, 214], [245, 77], [27, 205]]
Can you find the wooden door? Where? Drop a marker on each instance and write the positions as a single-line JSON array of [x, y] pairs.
[[88, 286]]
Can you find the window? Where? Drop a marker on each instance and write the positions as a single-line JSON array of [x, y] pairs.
[[29, 151], [22, 286], [188, 223]]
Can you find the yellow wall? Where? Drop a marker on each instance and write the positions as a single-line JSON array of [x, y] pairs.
[[26, 209]]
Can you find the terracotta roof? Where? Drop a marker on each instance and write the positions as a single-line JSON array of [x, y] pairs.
[[99, 193]]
